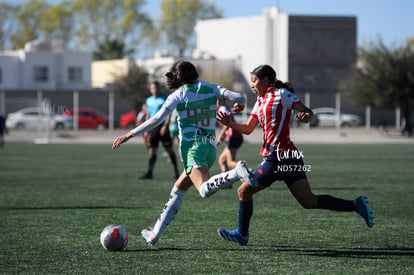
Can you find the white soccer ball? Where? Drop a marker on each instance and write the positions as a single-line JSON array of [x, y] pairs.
[[114, 237]]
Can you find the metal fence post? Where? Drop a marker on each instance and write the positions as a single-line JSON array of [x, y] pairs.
[[367, 117], [338, 110], [76, 110], [111, 96]]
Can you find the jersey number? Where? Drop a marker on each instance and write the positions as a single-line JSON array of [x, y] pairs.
[[204, 115]]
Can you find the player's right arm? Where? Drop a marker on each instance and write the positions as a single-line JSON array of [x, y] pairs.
[[149, 124]]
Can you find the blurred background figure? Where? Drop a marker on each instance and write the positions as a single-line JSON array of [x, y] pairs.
[[227, 158], [2, 129], [141, 117], [159, 133]]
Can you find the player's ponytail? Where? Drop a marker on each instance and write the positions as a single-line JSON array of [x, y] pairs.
[[263, 71], [286, 85]]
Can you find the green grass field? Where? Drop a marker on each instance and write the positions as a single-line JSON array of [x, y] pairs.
[[56, 199]]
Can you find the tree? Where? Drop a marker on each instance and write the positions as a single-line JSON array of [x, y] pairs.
[[7, 22], [111, 20], [133, 87], [38, 20], [29, 22], [384, 79], [179, 18], [112, 49], [57, 24]]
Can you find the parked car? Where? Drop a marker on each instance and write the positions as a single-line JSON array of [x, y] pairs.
[[34, 117], [89, 118], [326, 117], [128, 120]]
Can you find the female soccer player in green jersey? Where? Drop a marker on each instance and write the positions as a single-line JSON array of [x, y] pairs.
[[195, 102]]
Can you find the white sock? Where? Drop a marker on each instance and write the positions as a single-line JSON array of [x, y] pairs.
[[169, 211], [217, 182]]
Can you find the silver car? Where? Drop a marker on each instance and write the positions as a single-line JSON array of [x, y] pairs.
[[37, 118], [326, 117]]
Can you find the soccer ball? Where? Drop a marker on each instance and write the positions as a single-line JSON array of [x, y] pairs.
[[114, 237]]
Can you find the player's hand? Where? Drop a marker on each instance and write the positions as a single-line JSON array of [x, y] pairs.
[[163, 130], [119, 140], [224, 118], [304, 116], [238, 107]]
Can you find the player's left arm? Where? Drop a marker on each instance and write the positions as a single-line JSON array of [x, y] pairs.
[[237, 99], [305, 114]]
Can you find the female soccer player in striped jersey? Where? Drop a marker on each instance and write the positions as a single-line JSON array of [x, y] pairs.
[[282, 160], [195, 102]]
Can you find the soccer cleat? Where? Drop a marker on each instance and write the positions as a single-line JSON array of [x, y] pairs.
[[362, 208], [146, 176], [204, 192], [149, 237], [233, 236], [245, 175]]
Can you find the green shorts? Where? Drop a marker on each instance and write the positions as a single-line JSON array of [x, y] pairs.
[[197, 155]]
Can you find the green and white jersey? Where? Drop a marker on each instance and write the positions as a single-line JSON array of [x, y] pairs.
[[196, 106]]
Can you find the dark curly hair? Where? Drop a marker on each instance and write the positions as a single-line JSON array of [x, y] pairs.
[[182, 72]]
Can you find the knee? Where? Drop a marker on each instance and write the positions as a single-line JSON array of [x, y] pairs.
[[222, 159], [243, 194], [310, 203]]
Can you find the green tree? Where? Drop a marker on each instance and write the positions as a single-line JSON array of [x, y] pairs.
[[384, 78], [112, 49], [7, 22], [57, 24], [133, 87], [29, 16], [111, 20], [38, 20], [179, 18]]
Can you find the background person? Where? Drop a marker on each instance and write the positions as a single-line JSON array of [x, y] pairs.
[[227, 158], [2, 129], [141, 117], [160, 133]]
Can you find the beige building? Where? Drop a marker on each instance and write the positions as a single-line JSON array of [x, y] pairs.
[[106, 71]]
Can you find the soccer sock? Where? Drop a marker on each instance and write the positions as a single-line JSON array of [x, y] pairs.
[[173, 159], [335, 204], [151, 163], [245, 214], [169, 211], [217, 182]]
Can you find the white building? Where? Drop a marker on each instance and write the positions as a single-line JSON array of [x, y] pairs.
[[254, 40], [37, 68]]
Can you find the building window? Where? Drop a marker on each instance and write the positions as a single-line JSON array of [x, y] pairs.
[[41, 74], [75, 74]]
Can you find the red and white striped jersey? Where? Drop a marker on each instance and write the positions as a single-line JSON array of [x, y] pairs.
[[273, 111]]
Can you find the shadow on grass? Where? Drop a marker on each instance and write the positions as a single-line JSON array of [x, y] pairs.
[[327, 188], [373, 253], [35, 208], [349, 252]]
